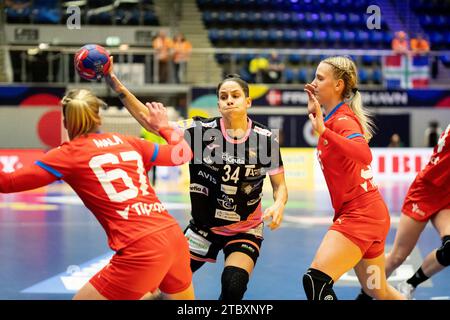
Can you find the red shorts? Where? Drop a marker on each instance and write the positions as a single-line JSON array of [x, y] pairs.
[[424, 200], [159, 260], [365, 225]]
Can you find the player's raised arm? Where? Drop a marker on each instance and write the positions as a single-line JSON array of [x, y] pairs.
[[129, 100]]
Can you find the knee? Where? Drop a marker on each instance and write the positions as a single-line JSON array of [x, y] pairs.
[[318, 285], [234, 283], [443, 253]]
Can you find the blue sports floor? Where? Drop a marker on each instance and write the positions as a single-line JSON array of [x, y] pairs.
[[50, 245]]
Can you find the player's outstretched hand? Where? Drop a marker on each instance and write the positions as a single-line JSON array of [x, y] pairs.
[[156, 118]]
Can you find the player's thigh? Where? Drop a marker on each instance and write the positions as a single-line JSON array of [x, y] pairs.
[[178, 278], [371, 274], [441, 222], [186, 294], [408, 232], [88, 292], [336, 255]]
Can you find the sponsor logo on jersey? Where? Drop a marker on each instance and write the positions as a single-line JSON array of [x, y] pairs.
[[231, 159], [247, 188], [231, 190], [251, 171], [416, 209], [186, 124], [434, 160], [227, 203], [207, 176], [262, 131], [198, 188], [213, 168], [254, 201], [197, 244], [203, 233], [227, 215], [144, 208], [247, 247], [227, 198], [212, 124]]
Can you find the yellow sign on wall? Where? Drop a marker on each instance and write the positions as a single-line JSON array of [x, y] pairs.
[[298, 169]]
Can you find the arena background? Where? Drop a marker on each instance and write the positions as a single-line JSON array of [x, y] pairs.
[[50, 244]]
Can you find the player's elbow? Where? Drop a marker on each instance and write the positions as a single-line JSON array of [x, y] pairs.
[[363, 154]]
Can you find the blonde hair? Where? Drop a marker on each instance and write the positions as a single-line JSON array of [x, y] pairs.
[[81, 112], [344, 68]]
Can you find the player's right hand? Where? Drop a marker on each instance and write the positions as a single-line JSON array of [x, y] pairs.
[[111, 79], [315, 112], [309, 88]]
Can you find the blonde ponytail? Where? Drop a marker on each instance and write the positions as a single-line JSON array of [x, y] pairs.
[[81, 112], [344, 68], [363, 115]]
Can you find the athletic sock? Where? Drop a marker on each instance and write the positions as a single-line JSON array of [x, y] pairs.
[[362, 296], [417, 278]]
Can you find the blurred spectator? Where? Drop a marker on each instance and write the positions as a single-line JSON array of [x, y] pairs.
[[275, 69], [419, 45], [258, 67], [17, 4], [163, 50], [400, 43], [17, 11], [182, 49], [395, 142], [432, 134]]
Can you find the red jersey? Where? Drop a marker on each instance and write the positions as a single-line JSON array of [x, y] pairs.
[[345, 158], [108, 171], [437, 171]]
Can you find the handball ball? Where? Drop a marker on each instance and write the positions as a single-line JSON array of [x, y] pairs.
[[92, 62]]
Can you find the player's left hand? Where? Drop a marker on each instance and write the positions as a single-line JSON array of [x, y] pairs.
[[156, 118], [276, 212]]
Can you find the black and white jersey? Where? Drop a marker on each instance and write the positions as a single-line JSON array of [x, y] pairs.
[[226, 175]]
